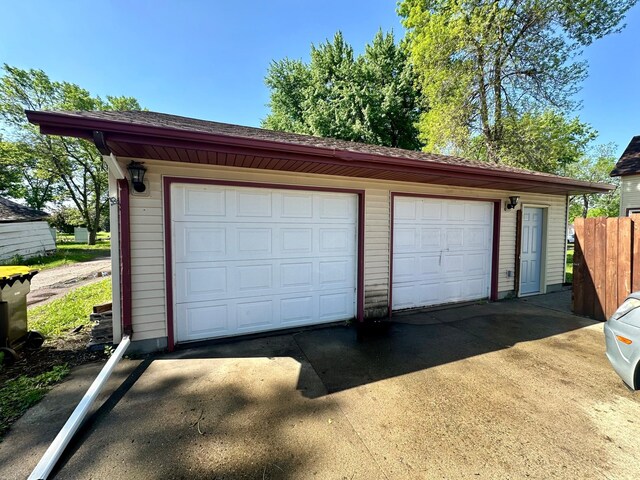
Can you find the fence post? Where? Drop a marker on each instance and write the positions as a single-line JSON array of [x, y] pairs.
[[635, 249], [577, 295], [626, 257], [613, 230]]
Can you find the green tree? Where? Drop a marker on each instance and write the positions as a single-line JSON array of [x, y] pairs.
[[546, 141], [483, 64], [370, 98], [595, 167], [23, 177], [75, 164]]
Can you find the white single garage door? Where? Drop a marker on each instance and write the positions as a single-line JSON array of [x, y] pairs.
[[441, 251], [255, 259]]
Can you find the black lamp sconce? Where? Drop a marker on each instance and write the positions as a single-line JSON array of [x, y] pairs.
[[136, 173], [513, 201]]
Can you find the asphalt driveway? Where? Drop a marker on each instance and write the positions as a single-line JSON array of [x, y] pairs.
[[515, 389]]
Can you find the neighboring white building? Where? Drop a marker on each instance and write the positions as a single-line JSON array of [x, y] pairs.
[[628, 169], [24, 232]]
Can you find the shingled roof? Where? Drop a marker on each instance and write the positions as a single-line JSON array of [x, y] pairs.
[[159, 136], [175, 122], [629, 163], [14, 212]]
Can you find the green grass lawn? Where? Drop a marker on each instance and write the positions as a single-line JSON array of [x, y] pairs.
[[71, 311], [569, 265], [17, 395], [69, 252], [53, 319]]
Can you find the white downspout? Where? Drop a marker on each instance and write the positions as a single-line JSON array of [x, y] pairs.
[[57, 447]]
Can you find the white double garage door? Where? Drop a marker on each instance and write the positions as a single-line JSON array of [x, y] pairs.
[[249, 260]]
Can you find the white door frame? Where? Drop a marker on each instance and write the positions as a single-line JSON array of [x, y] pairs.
[[543, 253]]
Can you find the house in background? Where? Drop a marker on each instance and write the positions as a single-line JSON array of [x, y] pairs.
[[236, 230], [628, 169], [24, 232]]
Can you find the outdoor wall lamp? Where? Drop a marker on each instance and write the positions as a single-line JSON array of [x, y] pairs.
[[513, 201], [136, 172]]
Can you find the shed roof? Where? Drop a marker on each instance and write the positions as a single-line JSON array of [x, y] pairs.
[[629, 162], [152, 135], [14, 212]]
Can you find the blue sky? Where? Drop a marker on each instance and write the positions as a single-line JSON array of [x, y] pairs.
[[207, 59]]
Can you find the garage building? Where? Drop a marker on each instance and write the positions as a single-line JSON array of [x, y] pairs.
[[237, 230]]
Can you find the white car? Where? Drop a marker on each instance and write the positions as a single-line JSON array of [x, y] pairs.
[[622, 336]]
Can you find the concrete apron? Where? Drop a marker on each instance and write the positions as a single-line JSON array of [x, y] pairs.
[[503, 390]]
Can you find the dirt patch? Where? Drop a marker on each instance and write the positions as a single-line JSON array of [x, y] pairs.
[[70, 349]]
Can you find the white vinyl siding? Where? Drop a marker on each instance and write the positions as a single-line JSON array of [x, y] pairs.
[[147, 224], [629, 193], [25, 239]]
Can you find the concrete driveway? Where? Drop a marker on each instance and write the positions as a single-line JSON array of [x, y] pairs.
[[516, 389]]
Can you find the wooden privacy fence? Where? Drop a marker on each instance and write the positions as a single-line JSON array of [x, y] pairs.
[[606, 264]]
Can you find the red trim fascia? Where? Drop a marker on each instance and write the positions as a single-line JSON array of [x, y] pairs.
[[72, 125], [392, 215], [360, 279], [495, 251], [495, 248], [124, 231], [168, 260], [168, 248]]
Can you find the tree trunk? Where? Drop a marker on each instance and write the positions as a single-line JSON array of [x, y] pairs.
[[585, 206], [92, 235]]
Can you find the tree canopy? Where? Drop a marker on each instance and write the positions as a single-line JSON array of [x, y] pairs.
[[371, 98], [595, 167], [45, 168], [486, 66]]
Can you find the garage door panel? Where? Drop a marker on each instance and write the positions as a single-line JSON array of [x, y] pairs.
[[254, 277], [442, 253], [224, 241], [428, 293], [476, 264], [297, 310], [297, 205], [474, 287], [336, 208], [453, 265], [253, 203], [296, 240], [197, 243], [296, 275], [406, 239], [430, 265], [200, 203], [254, 315], [405, 209], [454, 238], [202, 321], [241, 279], [274, 259], [335, 306], [456, 212], [431, 239], [403, 267]]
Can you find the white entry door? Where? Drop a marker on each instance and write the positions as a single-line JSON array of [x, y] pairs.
[[254, 259], [441, 251], [531, 254]]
